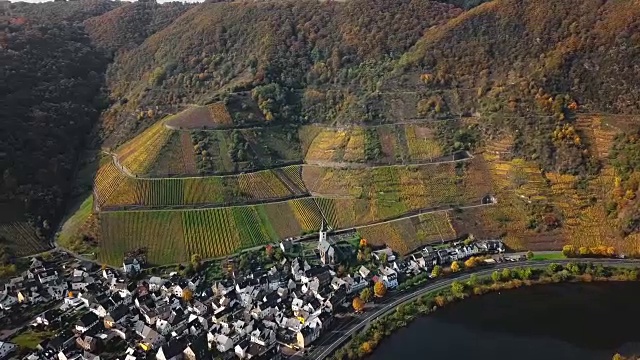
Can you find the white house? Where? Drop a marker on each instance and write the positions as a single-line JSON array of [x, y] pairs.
[[131, 266], [6, 349], [7, 302], [389, 277], [223, 343], [177, 291], [364, 272], [307, 335], [241, 349], [98, 309], [47, 276], [355, 284], [163, 326], [155, 283], [109, 274]]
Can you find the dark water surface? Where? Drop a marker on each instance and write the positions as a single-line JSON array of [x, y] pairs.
[[588, 321]]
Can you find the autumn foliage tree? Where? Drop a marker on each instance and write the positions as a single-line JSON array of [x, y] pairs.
[[358, 304], [187, 295], [380, 289], [455, 266], [366, 348], [472, 262]]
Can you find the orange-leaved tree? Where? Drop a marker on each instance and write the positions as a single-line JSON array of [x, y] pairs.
[[358, 304], [379, 289], [187, 295]]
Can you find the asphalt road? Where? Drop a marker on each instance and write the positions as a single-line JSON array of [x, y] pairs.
[[331, 341]]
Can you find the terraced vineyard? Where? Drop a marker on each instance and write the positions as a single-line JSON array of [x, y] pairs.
[[24, 240], [160, 232], [422, 143], [112, 187], [210, 233], [176, 157], [174, 235], [139, 154], [407, 235], [387, 144], [328, 145], [244, 210], [114, 190], [211, 116], [413, 186]]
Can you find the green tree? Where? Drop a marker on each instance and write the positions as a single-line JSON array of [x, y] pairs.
[[269, 251], [506, 274], [526, 273], [554, 268], [243, 264], [383, 258], [437, 271], [530, 255], [473, 280], [278, 255], [583, 251], [574, 268], [196, 261], [568, 250], [495, 276], [457, 288], [365, 294]]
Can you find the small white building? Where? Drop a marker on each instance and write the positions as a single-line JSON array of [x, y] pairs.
[[389, 277], [6, 349], [131, 266]]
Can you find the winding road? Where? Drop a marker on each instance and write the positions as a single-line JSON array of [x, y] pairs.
[[331, 341]]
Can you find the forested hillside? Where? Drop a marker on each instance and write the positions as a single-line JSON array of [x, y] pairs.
[[50, 99], [52, 92], [562, 47], [129, 25], [542, 83], [220, 47]]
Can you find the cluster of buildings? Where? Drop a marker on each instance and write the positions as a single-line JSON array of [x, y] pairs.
[[43, 282], [99, 313]]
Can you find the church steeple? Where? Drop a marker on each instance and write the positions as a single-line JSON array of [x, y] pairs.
[[323, 231]]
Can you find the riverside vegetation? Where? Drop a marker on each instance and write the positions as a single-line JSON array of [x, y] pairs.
[[365, 342]]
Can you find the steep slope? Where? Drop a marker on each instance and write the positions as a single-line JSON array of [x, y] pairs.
[[217, 47], [50, 98], [584, 49], [56, 12], [129, 25]]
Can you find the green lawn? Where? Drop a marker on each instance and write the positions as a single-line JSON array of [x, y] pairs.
[[551, 256], [30, 339], [69, 234]]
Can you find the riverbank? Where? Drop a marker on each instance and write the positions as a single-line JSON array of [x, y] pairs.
[[365, 342]]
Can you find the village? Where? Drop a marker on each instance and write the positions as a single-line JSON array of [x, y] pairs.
[[269, 306]]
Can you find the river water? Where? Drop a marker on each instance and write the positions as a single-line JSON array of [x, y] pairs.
[[587, 321]]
